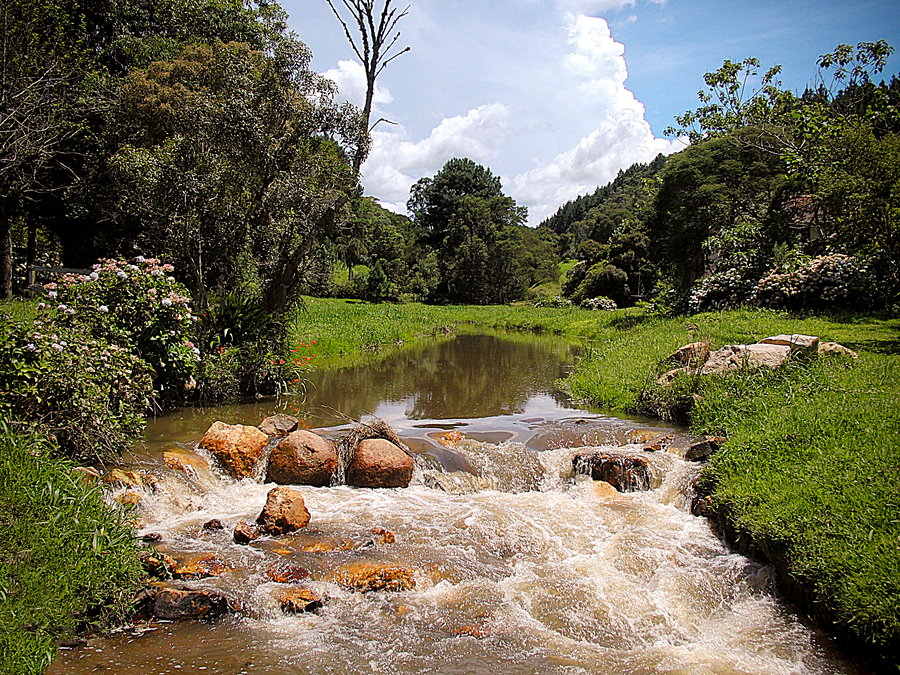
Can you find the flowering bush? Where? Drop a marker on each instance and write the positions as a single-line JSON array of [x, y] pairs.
[[138, 306], [88, 394], [720, 290], [556, 301], [835, 280], [600, 303], [251, 368]]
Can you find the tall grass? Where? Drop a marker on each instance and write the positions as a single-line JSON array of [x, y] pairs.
[[67, 560]]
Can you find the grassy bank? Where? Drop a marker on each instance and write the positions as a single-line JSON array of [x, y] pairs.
[[67, 561], [811, 468], [349, 329], [809, 475]]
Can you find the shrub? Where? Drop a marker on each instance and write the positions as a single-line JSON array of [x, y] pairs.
[[86, 393], [600, 303], [721, 290], [138, 306], [828, 281], [556, 301]]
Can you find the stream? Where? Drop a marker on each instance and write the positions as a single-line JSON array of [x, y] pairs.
[[520, 566]]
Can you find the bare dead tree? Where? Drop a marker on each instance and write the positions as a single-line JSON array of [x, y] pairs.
[[377, 37]]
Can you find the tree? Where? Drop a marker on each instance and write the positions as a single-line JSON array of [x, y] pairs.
[[483, 254], [231, 162], [41, 63], [707, 193], [376, 40]]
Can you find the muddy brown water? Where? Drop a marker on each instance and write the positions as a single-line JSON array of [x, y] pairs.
[[519, 565]]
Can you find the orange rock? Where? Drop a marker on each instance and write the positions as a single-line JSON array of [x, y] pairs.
[[296, 600], [382, 536], [302, 458], [365, 576], [237, 448], [284, 511], [245, 532], [198, 566], [378, 463], [285, 573], [187, 463]]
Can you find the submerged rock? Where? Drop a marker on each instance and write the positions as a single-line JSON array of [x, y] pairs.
[[188, 463], [284, 512], [278, 425], [624, 473], [245, 532], [302, 458], [198, 566], [366, 576], [184, 603], [236, 447], [297, 600], [378, 463], [286, 573], [157, 564]]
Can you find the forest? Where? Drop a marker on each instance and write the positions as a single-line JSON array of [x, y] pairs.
[[197, 133]]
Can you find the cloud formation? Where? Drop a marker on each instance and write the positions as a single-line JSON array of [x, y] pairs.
[[621, 137], [565, 111], [396, 162]]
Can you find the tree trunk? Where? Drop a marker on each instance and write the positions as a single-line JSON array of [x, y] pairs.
[[6, 261]]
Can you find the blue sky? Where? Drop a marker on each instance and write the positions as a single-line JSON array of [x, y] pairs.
[[555, 96]]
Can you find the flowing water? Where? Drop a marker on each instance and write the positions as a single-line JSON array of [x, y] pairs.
[[519, 565]]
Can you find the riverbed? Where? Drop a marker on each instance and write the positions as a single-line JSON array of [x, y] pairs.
[[519, 564]]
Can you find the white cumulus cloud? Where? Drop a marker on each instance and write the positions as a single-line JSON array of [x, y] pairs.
[[350, 77], [396, 162], [621, 136]]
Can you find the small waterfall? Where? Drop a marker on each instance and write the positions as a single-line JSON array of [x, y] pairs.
[[521, 563]]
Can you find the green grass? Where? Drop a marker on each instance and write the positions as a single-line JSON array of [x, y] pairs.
[[67, 560], [349, 329]]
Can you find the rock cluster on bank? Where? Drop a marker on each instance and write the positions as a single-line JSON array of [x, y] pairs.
[[772, 352]]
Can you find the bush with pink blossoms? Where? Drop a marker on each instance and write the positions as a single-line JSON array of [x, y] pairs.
[[138, 306], [88, 395]]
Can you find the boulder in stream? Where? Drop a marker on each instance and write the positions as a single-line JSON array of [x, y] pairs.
[[625, 473], [286, 573], [245, 532], [198, 566], [302, 458], [378, 463], [184, 603], [279, 424], [364, 576], [284, 511], [188, 463], [236, 447], [298, 599]]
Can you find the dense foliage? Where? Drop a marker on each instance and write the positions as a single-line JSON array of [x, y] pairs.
[[103, 350]]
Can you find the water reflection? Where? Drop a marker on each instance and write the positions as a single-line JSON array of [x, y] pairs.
[[471, 376]]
